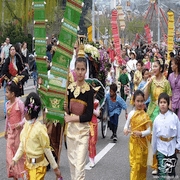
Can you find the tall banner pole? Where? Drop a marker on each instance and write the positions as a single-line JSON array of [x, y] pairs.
[[170, 41], [52, 86]]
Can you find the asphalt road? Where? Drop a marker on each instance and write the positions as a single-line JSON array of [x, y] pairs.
[[113, 160]]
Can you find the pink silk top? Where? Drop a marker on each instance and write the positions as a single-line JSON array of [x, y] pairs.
[[15, 114]]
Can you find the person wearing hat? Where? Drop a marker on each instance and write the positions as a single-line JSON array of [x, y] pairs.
[[131, 68], [94, 128]]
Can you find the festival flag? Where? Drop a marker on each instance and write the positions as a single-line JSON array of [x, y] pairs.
[[170, 41]]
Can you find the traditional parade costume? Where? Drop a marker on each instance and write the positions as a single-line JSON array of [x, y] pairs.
[[94, 130], [80, 103], [137, 79], [34, 144], [14, 119], [156, 88], [165, 140], [138, 120]]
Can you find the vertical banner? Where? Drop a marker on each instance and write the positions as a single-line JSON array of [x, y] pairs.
[[148, 34], [115, 35], [52, 87], [170, 37]]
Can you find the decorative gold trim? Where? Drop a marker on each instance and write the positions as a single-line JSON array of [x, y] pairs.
[[159, 83], [78, 89], [79, 101]]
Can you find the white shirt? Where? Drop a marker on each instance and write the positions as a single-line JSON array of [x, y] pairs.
[[131, 65], [166, 125], [5, 51]]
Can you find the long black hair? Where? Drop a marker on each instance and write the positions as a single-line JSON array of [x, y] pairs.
[[13, 87]]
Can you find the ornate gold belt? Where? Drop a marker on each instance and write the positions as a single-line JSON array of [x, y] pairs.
[[35, 160], [165, 139]]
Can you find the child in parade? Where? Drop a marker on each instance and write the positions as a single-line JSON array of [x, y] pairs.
[[138, 125], [13, 127], [34, 143], [138, 74], [124, 80], [166, 139], [141, 86], [115, 104], [157, 84], [94, 129], [79, 111]]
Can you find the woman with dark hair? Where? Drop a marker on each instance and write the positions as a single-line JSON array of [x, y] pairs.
[[174, 79], [157, 84], [79, 111], [13, 66], [25, 52]]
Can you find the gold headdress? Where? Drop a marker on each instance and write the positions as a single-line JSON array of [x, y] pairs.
[[81, 52], [17, 78]]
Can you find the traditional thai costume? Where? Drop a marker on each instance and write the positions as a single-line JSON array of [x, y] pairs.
[[34, 144], [14, 119], [138, 146], [165, 140], [156, 88], [137, 79], [80, 103], [93, 131], [175, 86]]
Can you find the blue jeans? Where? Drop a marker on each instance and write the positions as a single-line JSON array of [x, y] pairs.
[[34, 75]]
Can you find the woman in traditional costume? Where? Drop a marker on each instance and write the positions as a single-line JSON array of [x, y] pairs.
[[14, 66], [139, 123], [79, 113], [174, 79], [34, 143], [157, 84], [13, 127]]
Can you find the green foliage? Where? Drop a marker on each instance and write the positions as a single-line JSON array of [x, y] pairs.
[[135, 26], [16, 34]]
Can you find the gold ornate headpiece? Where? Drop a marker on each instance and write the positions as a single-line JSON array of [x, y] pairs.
[[81, 52], [17, 78]]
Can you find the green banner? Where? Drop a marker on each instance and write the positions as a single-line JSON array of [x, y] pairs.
[[52, 88]]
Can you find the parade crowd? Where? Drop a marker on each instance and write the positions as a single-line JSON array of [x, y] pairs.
[[143, 78]]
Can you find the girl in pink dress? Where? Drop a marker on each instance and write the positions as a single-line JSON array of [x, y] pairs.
[[94, 130], [13, 127]]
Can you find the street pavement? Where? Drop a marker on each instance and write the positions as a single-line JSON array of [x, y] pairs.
[[113, 160]]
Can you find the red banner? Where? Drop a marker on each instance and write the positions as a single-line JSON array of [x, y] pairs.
[[115, 35]]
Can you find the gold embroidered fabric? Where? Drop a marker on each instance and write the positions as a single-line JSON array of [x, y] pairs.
[[78, 89], [159, 83]]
